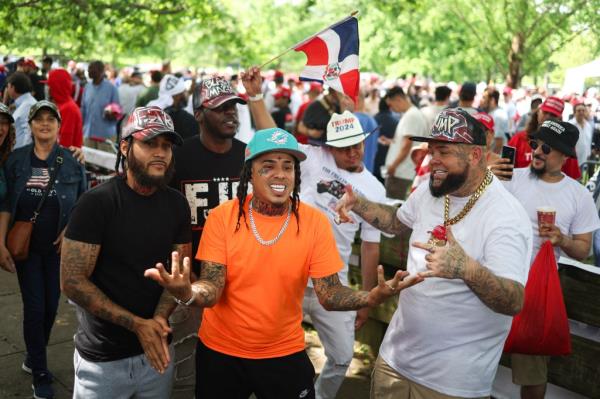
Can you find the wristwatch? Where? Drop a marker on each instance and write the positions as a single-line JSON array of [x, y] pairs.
[[256, 97], [189, 302]]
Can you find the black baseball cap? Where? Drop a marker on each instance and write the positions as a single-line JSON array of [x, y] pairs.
[[44, 104], [455, 125], [562, 136]]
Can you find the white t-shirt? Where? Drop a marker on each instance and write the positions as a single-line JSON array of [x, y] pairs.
[[323, 185], [431, 112], [128, 95], [412, 123], [575, 209], [583, 148], [442, 336], [501, 126]]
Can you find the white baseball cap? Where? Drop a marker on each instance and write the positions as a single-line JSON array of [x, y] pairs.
[[171, 85], [344, 130]]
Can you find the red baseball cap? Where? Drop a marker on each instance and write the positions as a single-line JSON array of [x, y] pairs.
[[145, 123], [316, 86], [553, 105], [485, 119], [211, 93], [455, 125], [283, 92], [28, 62]]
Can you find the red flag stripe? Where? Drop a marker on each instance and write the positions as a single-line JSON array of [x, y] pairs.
[[316, 52], [350, 82]]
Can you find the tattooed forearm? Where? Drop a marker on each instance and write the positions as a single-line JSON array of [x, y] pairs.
[[78, 260], [210, 285], [500, 294], [334, 296], [381, 216]]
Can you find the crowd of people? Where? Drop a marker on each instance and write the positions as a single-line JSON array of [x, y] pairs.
[[232, 214]]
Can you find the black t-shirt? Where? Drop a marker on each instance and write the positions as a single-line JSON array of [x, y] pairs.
[[135, 232], [185, 124], [281, 117], [45, 229], [206, 179]]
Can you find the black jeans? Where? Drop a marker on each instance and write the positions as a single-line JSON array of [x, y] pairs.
[[39, 280], [228, 377]]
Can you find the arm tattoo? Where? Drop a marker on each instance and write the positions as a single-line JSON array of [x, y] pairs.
[[382, 217], [78, 260], [211, 283], [166, 303], [500, 294], [334, 296]]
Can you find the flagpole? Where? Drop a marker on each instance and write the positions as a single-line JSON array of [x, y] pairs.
[[354, 13]]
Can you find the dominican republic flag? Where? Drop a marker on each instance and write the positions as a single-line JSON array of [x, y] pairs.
[[332, 57]]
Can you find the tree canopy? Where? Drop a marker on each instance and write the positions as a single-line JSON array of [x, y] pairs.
[[448, 40]]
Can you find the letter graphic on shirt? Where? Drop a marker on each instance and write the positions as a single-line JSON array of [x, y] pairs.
[[204, 195]]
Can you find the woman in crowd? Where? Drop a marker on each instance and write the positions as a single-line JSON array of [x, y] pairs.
[[43, 182]]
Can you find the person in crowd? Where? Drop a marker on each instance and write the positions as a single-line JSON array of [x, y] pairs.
[[30, 68], [281, 113], [19, 89], [130, 89], [278, 80], [184, 122], [387, 122], [400, 169], [536, 101], [324, 174], [47, 62], [314, 91], [369, 125], [488, 123], [576, 217], [60, 86], [583, 149], [466, 98], [121, 345], [7, 141], [490, 104], [99, 126], [551, 109], [43, 183], [151, 92], [318, 113], [442, 99], [510, 108], [251, 338], [446, 336]]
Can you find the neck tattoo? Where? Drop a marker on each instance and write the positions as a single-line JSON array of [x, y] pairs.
[[267, 209], [256, 234]]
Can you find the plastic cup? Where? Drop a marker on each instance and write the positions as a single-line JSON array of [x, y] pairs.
[[546, 215]]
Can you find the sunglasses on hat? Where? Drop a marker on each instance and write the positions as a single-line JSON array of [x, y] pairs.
[[546, 149]]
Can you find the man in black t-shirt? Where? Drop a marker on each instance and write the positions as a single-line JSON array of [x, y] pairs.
[[118, 230]]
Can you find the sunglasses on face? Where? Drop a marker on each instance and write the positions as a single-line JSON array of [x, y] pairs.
[[546, 149]]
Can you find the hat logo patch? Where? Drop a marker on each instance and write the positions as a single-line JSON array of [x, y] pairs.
[[149, 118], [279, 138], [452, 126], [332, 71], [343, 124], [216, 87]]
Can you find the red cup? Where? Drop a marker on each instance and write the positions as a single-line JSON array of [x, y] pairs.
[[546, 215]]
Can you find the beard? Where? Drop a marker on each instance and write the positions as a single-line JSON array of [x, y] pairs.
[[144, 179], [453, 182], [538, 172]]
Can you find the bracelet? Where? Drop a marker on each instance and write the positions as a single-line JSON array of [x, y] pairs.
[[256, 97], [189, 302]]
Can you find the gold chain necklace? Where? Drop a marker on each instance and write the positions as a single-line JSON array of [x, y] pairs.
[[469, 205]]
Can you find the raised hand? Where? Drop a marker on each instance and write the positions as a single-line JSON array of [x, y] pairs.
[[345, 205], [178, 281], [502, 168], [449, 261], [386, 289], [252, 81]]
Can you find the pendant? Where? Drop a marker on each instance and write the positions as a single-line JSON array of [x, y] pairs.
[[438, 236]]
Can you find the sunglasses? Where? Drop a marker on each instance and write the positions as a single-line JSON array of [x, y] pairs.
[[546, 149]]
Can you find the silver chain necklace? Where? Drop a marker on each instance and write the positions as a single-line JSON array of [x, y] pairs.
[[255, 230]]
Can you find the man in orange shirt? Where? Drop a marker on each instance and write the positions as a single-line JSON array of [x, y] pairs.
[[257, 252]]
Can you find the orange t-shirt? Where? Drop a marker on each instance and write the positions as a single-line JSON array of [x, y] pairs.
[[259, 313]]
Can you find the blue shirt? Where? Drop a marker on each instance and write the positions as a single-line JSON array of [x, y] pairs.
[[21, 116], [95, 99], [369, 124]]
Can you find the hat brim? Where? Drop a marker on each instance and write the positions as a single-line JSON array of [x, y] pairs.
[[177, 139], [49, 108], [299, 155], [218, 101], [555, 144], [348, 141]]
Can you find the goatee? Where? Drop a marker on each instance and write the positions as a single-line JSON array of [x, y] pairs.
[[144, 179], [453, 182]]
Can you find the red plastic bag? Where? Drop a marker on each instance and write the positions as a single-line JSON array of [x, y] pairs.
[[542, 327]]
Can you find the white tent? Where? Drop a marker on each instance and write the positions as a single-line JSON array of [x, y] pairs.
[[575, 77]]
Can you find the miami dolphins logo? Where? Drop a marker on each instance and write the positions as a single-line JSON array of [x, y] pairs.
[[279, 137]]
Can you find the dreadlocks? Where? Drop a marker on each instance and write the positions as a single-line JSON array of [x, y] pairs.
[[242, 192], [121, 159]]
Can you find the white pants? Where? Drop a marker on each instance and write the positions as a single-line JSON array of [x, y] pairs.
[[336, 332]]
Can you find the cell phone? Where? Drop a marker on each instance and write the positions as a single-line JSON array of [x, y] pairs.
[[509, 153]]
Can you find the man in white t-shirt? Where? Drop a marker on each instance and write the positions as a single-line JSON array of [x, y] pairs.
[[442, 99], [489, 102], [586, 131], [400, 168], [544, 185], [446, 337], [328, 170]]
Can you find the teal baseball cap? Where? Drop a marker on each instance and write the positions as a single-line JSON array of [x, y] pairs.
[[273, 140]]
